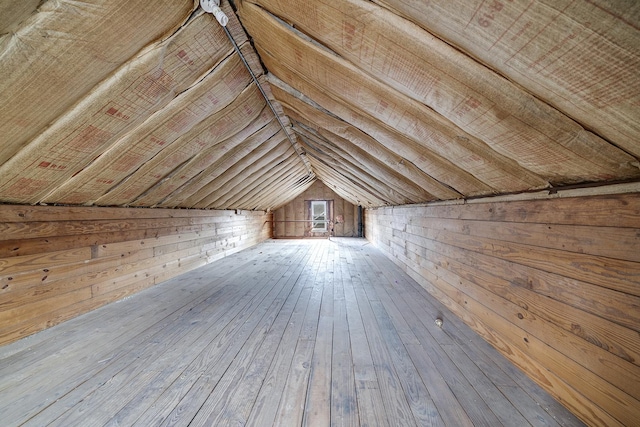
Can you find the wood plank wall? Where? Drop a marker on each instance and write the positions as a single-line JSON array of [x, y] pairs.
[[289, 220], [59, 262], [553, 284]]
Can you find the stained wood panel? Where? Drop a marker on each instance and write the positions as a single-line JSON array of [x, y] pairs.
[[59, 262], [291, 220], [553, 284]]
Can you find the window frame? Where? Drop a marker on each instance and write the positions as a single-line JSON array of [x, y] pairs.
[[325, 227]]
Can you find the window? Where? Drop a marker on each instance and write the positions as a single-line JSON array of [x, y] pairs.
[[318, 216]]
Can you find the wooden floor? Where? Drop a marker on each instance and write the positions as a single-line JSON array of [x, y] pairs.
[[286, 333]]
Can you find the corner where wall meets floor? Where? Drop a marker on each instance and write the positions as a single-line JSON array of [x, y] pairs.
[[553, 284], [59, 262]]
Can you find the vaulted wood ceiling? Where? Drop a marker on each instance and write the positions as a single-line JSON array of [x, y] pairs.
[[146, 103]]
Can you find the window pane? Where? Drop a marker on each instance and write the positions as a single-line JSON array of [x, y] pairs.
[[319, 215]]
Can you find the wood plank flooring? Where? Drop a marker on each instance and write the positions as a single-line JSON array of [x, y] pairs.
[[286, 333]]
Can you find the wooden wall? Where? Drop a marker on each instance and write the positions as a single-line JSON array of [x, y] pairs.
[[553, 284], [59, 262], [291, 219]]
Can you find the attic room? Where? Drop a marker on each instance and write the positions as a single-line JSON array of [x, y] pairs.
[[284, 212]]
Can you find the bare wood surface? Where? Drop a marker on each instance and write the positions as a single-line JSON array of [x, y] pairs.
[[284, 333], [293, 220], [552, 284], [569, 210], [52, 269]]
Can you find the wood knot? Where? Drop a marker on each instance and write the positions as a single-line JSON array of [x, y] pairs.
[[522, 283]]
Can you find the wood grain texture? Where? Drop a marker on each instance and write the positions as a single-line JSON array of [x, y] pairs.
[[59, 262], [290, 220], [552, 284], [287, 332]]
